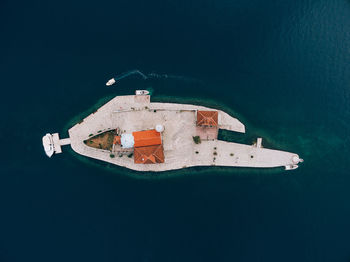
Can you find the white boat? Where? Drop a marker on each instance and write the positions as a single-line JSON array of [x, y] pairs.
[[141, 92], [291, 167], [110, 82], [295, 160], [48, 145]]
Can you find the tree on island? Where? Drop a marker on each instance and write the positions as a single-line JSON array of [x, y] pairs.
[[197, 139]]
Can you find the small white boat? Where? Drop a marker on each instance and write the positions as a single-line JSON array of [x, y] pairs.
[[110, 82], [141, 92], [295, 161], [291, 167], [48, 145]]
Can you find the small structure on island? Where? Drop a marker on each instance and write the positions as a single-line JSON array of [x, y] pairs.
[[147, 138], [207, 118], [149, 154], [207, 124], [127, 141], [159, 128], [138, 139], [147, 145]]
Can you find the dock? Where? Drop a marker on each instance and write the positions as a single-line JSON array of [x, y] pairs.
[[53, 144], [58, 143]]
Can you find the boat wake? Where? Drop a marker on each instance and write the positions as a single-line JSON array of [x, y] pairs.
[[174, 77], [150, 76], [129, 73]]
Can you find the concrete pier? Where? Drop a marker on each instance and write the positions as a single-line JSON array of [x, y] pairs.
[[58, 143], [258, 142]]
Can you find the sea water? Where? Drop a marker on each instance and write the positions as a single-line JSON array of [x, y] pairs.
[[281, 67]]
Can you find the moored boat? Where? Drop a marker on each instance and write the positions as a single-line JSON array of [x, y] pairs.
[[48, 145], [141, 92]]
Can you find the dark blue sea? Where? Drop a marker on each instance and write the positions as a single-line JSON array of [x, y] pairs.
[[281, 67]]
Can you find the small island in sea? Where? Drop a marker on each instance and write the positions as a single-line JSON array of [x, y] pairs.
[[133, 132]]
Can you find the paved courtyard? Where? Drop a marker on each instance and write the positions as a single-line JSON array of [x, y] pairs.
[[136, 113]]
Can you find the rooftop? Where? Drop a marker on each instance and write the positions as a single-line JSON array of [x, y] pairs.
[[207, 118], [149, 154], [147, 138]]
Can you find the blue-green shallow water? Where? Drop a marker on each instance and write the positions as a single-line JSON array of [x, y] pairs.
[[282, 67]]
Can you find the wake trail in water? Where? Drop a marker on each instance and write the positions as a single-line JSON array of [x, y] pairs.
[[174, 77], [129, 73], [152, 76]]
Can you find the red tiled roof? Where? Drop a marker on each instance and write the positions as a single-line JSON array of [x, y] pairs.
[[207, 118], [147, 138], [149, 154]]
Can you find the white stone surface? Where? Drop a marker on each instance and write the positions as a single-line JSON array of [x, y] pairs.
[[259, 142], [57, 143], [64, 141], [127, 140], [132, 113]]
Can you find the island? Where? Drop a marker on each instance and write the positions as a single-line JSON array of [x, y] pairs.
[[135, 133]]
